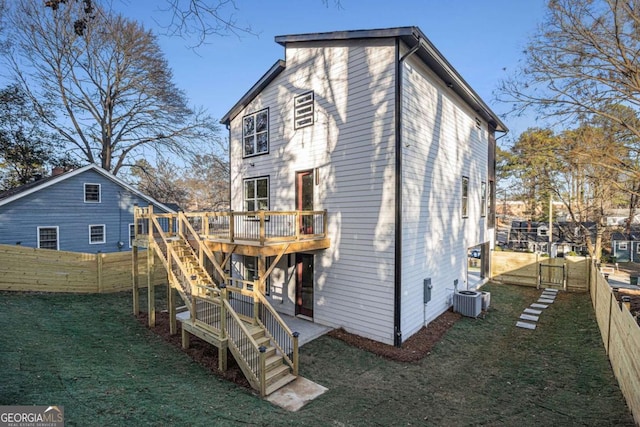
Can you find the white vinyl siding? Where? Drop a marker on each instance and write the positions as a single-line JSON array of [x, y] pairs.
[[352, 146], [441, 142]]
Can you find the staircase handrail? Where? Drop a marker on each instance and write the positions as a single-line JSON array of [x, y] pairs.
[[172, 256], [182, 218], [293, 336], [254, 371]]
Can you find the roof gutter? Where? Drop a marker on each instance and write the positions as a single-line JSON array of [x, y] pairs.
[[397, 286]]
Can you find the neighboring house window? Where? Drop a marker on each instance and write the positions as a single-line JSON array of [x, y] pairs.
[[483, 199], [256, 194], [622, 246], [465, 196], [97, 234], [637, 248], [255, 133], [48, 238], [542, 231], [303, 113], [92, 193], [132, 234]]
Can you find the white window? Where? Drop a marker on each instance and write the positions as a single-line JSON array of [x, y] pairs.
[[542, 231], [483, 199], [465, 196], [303, 110], [132, 234], [97, 234], [48, 238], [622, 246], [92, 193], [638, 248], [256, 194], [255, 133]]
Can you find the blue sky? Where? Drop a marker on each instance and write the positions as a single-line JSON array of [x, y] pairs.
[[480, 38]]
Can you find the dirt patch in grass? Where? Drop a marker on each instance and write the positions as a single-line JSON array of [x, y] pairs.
[[200, 351], [414, 349]]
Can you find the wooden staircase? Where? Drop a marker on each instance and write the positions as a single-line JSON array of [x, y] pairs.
[[268, 358]]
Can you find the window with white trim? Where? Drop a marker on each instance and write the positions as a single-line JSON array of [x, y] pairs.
[[92, 193], [465, 197], [303, 110], [256, 194], [97, 234], [622, 246], [255, 133], [483, 199], [48, 238]]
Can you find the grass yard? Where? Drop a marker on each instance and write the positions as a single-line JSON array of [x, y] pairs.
[[89, 354]]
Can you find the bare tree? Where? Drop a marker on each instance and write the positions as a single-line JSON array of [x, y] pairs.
[[106, 78], [582, 60], [201, 19]]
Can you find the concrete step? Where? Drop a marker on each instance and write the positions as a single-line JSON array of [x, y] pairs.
[[280, 383]]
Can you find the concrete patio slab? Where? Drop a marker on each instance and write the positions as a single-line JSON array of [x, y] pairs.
[[296, 394]]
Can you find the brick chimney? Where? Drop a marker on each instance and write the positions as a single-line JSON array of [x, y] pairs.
[[57, 170]]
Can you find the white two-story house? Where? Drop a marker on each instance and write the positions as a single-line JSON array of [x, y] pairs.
[[379, 130]]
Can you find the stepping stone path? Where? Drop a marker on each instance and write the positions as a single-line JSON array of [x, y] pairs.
[[531, 314]]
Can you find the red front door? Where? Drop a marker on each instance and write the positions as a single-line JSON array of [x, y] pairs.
[[304, 284]]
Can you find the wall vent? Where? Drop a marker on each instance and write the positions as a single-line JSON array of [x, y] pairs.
[[467, 303]]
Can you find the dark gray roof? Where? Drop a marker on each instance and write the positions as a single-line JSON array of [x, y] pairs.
[[413, 37]]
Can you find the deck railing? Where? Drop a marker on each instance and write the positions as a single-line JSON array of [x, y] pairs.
[[260, 226], [283, 338]]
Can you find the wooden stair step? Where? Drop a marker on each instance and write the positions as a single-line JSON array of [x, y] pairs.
[[278, 372]]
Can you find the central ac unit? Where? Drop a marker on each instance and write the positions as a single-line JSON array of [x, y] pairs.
[[467, 303]]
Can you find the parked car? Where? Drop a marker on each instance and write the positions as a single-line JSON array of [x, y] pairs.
[[475, 253]]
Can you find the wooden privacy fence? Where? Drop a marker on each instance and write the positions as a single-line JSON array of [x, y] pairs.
[[522, 268], [44, 270], [621, 338]]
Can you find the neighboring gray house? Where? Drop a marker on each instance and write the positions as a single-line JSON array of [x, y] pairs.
[[379, 130], [626, 247], [83, 210]]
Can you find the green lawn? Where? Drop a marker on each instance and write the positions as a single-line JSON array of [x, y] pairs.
[[88, 353]]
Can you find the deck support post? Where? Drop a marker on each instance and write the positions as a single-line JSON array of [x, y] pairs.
[[185, 339], [135, 278], [151, 292], [171, 301]]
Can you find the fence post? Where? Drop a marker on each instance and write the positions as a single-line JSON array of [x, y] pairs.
[[151, 292], [99, 269], [135, 278], [609, 321]]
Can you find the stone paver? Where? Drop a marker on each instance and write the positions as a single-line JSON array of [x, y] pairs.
[[545, 301], [526, 325], [537, 305], [530, 317], [532, 311]]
